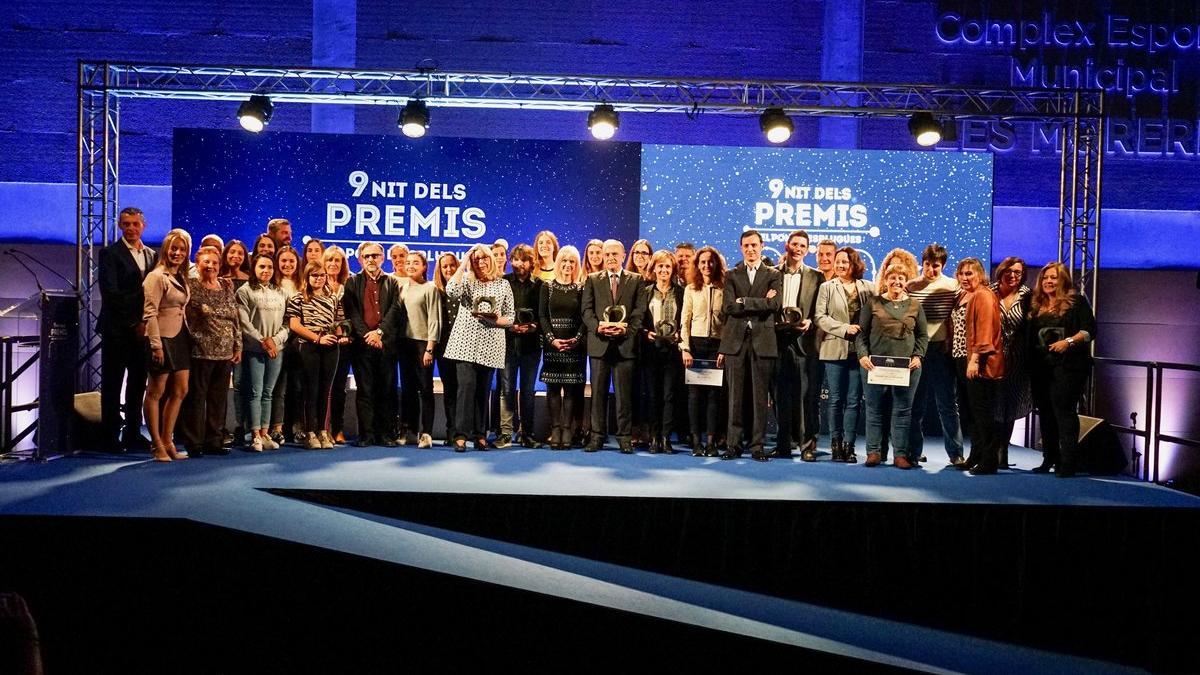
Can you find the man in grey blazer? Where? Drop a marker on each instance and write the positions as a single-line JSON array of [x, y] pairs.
[[797, 344], [612, 348], [748, 344]]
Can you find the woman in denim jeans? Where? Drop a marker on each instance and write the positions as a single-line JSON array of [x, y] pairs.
[[260, 308], [838, 303], [893, 324]]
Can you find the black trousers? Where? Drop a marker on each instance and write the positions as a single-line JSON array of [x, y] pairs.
[[475, 384], [448, 372], [792, 397], [416, 385], [375, 377], [320, 364], [813, 403], [1056, 393], [205, 406], [664, 372], [987, 432], [748, 372], [620, 370], [337, 396], [121, 354], [705, 403]]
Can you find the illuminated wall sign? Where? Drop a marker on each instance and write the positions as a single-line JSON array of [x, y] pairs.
[[1145, 66]]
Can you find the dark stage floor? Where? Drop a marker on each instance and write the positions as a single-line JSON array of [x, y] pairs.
[[257, 494]]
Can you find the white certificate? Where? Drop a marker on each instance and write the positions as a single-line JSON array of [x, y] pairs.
[[704, 372], [889, 371]]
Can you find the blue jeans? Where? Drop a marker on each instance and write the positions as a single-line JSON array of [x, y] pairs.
[[260, 376], [902, 403], [520, 373], [845, 382], [938, 376]]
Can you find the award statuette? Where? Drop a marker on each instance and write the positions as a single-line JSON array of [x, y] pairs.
[[791, 317], [614, 316], [665, 332], [524, 315], [486, 308]]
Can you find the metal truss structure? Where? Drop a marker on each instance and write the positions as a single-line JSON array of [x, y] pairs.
[[102, 86]]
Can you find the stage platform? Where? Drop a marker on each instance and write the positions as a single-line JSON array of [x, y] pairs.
[[525, 556]]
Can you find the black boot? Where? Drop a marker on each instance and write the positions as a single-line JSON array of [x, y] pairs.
[[848, 455], [697, 446], [835, 449]]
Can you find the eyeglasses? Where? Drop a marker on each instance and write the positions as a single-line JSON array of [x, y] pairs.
[[369, 256], [641, 253], [1015, 272]]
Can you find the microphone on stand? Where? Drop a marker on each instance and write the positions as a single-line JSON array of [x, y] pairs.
[[15, 251], [10, 253]]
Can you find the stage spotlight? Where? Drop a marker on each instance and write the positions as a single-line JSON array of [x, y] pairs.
[[603, 122], [776, 125], [925, 129], [255, 114], [414, 119]]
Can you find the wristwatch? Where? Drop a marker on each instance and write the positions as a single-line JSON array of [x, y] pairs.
[[1070, 340]]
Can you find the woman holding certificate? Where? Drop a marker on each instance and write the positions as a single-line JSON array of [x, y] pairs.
[[890, 347], [976, 323], [700, 327]]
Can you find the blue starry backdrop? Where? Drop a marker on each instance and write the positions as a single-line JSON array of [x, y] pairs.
[[873, 200], [434, 194]]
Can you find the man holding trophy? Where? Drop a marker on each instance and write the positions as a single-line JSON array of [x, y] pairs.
[[612, 302], [796, 335]]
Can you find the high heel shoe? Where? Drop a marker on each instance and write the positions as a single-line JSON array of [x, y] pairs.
[[1044, 467], [173, 452], [160, 453]]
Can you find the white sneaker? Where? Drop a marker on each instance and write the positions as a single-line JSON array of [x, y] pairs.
[[256, 445], [269, 443], [326, 441], [313, 442], [426, 441]]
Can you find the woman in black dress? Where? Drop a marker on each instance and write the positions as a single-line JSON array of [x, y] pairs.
[[560, 316]]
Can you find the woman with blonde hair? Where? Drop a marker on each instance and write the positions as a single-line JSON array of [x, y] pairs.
[[337, 270], [166, 296], [545, 254], [1061, 325], [560, 317], [477, 339]]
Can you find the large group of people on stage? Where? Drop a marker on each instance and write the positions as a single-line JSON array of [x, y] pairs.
[[289, 324]]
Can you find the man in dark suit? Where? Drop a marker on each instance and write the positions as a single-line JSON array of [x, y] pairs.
[[123, 266], [611, 348], [372, 305], [748, 344], [797, 343]]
